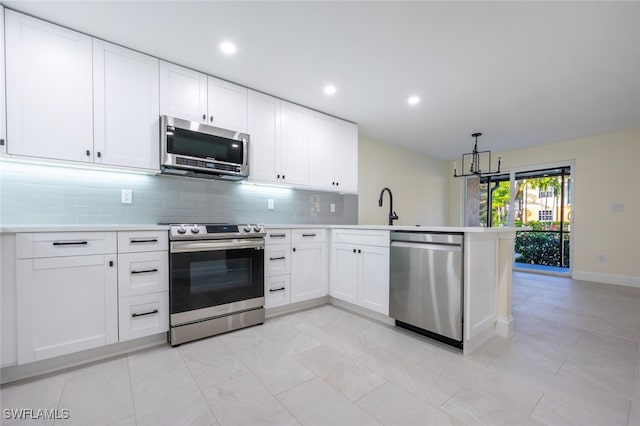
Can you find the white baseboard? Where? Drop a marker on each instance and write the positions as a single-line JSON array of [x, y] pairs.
[[624, 280], [504, 326]]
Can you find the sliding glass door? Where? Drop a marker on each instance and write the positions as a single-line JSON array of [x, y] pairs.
[[538, 200]]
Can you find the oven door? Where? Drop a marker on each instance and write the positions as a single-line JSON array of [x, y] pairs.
[[215, 278]]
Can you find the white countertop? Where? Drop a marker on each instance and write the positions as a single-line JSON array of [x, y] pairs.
[[9, 229]]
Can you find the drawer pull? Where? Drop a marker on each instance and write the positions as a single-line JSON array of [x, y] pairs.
[[277, 235], [273, 290], [308, 235], [153, 240], [70, 243], [155, 311], [146, 271], [277, 258]]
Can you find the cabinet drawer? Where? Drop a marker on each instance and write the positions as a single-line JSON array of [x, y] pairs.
[[138, 241], [308, 235], [57, 244], [143, 315], [142, 273], [276, 259], [363, 237], [277, 291], [277, 236]]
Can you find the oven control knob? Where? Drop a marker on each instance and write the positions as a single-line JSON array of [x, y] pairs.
[[195, 229], [181, 229], [247, 228], [257, 228]]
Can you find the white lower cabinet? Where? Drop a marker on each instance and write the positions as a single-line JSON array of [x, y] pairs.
[[143, 315], [360, 273], [277, 291], [308, 271], [65, 304]]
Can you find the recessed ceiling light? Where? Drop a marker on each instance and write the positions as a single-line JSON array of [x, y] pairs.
[[413, 100], [228, 48], [329, 89]]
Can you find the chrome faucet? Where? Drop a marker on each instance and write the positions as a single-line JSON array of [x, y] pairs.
[[392, 215]]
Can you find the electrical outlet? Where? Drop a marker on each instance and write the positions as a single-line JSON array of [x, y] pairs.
[[333, 207], [127, 196], [601, 258], [617, 207], [270, 204]]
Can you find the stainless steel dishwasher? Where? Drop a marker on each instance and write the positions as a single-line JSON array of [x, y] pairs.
[[426, 292]]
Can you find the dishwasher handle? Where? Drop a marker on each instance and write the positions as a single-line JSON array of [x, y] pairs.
[[427, 246]]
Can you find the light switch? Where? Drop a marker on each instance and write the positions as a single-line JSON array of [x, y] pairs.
[[270, 204], [127, 196]]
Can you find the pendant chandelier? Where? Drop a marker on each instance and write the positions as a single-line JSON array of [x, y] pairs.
[[473, 160]]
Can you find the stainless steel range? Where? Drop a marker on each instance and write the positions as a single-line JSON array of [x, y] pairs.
[[216, 279]]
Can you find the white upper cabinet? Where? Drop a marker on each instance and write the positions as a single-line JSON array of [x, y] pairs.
[[294, 144], [126, 107], [278, 149], [194, 96], [345, 155], [183, 93], [227, 105], [333, 153], [264, 131], [49, 94], [3, 116]]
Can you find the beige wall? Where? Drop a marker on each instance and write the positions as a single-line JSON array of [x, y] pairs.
[[606, 172], [418, 183]]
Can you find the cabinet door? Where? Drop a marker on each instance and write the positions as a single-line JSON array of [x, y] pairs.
[[344, 273], [49, 98], [373, 283], [65, 305], [227, 105], [264, 131], [308, 271], [126, 107], [320, 161], [277, 291], [294, 145], [183, 93], [345, 155]]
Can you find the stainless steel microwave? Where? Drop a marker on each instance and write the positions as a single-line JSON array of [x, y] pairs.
[[194, 149]]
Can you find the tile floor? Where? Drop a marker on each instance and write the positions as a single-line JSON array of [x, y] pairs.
[[573, 359]]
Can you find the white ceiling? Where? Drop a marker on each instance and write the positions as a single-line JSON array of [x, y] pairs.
[[523, 73]]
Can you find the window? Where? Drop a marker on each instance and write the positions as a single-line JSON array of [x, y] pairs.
[[545, 194], [545, 215]]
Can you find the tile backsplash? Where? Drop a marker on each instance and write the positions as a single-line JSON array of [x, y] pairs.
[[33, 194]]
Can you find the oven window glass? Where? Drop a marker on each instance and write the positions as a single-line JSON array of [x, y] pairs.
[[205, 279], [194, 144]]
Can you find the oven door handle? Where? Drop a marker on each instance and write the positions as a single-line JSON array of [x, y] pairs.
[[212, 245]]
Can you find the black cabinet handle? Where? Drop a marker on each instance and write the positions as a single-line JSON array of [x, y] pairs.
[[277, 235], [294, 249], [333, 183], [354, 250], [277, 258], [145, 271], [71, 243], [1, 142], [308, 235], [153, 240], [283, 177], [337, 183], [359, 251], [155, 311], [88, 153], [211, 118], [204, 116], [99, 154], [278, 177], [111, 263], [273, 290]]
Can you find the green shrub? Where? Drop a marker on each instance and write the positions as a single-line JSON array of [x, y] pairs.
[[541, 248]]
